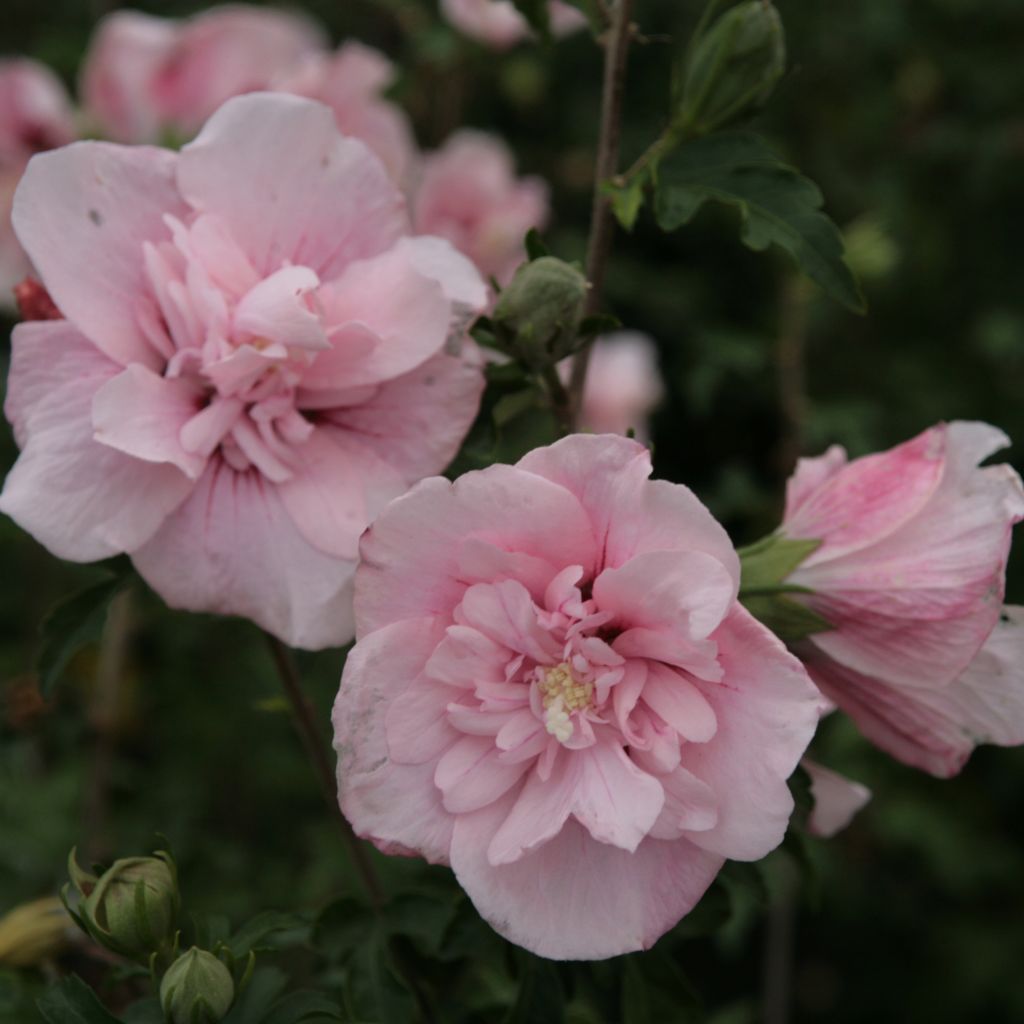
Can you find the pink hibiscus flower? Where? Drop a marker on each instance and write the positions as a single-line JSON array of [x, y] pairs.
[[468, 193], [498, 24], [146, 77], [910, 573], [555, 691], [255, 359], [35, 115]]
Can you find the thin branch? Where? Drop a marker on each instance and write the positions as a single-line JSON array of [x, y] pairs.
[[602, 222], [304, 719], [790, 360]]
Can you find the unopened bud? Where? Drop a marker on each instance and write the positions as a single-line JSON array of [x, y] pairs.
[[133, 906], [197, 989], [537, 317], [733, 68]]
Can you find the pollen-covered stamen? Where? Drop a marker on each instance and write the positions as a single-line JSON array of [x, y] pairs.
[[561, 694]]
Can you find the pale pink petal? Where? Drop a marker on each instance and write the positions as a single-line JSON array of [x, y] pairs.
[[122, 63], [233, 548], [687, 589], [335, 490], [417, 725], [505, 613], [631, 514], [936, 729], [277, 309], [836, 799], [410, 558], [397, 807], [142, 414], [470, 774], [810, 474], [405, 310], [616, 801], [577, 899], [83, 213], [679, 704], [870, 497], [310, 198], [690, 806], [767, 711], [466, 657], [418, 421], [459, 279], [81, 499]]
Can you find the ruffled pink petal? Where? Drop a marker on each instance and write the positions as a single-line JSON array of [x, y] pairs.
[[142, 414], [397, 807], [410, 555], [836, 799], [466, 657], [690, 806], [406, 311], [418, 421], [311, 198], [83, 213], [679, 704], [616, 801], [232, 548], [505, 613], [336, 488], [417, 726], [471, 775], [631, 514], [81, 499], [936, 729], [679, 589], [458, 277], [767, 711], [575, 898], [277, 309]]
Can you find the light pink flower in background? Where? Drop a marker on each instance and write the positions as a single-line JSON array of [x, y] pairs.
[[254, 360], [623, 385], [497, 23], [35, 115], [351, 82], [837, 799], [555, 691], [145, 78], [469, 193], [910, 573]]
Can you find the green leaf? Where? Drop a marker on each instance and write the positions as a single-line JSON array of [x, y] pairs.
[[70, 626], [786, 618], [71, 1001], [627, 199], [767, 564], [536, 12], [655, 991], [303, 1008], [254, 934], [376, 988], [777, 205], [264, 989]]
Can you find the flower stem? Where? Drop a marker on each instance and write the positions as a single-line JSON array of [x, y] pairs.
[[602, 222], [304, 719]]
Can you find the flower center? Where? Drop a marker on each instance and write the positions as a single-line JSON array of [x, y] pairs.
[[561, 694]]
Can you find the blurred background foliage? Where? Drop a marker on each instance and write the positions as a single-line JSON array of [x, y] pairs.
[[910, 116]]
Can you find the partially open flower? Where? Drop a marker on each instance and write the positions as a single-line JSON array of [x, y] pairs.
[[555, 691], [256, 358], [909, 573]]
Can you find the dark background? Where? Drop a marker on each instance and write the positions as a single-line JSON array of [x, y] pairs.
[[910, 116]]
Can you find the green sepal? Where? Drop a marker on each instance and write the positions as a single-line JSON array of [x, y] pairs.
[[768, 563]]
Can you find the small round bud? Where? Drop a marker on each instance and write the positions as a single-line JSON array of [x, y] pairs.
[[133, 906], [733, 68], [538, 315], [197, 989]]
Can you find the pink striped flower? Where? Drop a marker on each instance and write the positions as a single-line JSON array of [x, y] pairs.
[[910, 574], [555, 691], [256, 357]]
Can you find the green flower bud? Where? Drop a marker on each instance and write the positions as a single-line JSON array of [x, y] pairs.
[[733, 67], [197, 989], [538, 315], [132, 907]]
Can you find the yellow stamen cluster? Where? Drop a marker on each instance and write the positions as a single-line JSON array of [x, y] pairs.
[[561, 693]]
